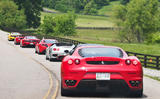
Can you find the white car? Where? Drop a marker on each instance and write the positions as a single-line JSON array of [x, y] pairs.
[[58, 51]]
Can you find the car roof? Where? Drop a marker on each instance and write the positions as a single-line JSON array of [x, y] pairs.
[[102, 46], [49, 39], [15, 33], [30, 36], [84, 45]]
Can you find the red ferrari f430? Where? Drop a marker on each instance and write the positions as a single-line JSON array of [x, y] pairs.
[[43, 44], [29, 41], [101, 67]]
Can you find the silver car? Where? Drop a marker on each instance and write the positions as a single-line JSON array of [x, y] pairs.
[[58, 51]]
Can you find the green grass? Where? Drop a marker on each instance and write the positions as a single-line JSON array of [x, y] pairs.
[[86, 20], [94, 21], [108, 10], [109, 37], [155, 78]]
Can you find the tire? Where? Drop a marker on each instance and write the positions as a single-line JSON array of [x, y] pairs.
[[50, 59], [65, 92], [15, 43], [35, 51], [137, 93], [47, 58], [21, 45], [38, 51]]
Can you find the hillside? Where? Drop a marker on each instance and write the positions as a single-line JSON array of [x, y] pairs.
[[106, 37]]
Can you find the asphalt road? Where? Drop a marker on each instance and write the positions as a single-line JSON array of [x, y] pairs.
[[26, 75]]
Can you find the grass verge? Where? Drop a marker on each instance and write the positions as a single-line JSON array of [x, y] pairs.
[[155, 78]]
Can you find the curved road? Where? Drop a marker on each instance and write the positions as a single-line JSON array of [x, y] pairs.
[[23, 76]]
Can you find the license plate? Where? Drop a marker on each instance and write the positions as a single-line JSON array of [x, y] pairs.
[[31, 44], [102, 76]]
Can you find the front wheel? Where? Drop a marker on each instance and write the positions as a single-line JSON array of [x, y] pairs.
[[47, 57], [21, 45]]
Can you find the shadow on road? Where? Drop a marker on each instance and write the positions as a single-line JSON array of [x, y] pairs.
[[102, 95]]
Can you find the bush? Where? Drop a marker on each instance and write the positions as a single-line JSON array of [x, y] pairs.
[[10, 16], [154, 38], [47, 27], [90, 8], [60, 25]]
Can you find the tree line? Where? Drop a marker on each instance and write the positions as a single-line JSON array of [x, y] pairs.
[[24, 14], [18, 14], [139, 21], [78, 6]]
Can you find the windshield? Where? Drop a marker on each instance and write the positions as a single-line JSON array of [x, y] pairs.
[[50, 41], [15, 33], [63, 44], [100, 52], [31, 37]]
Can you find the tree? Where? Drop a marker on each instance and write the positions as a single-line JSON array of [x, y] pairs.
[[59, 25], [90, 8], [124, 2], [47, 27], [138, 19], [77, 6], [10, 16], [32, 10], [101, 3], [49, 3]]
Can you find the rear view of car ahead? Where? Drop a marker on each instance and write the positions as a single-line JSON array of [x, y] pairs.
[[29, 41], [13, 35], [18, 39], [44, 43], [101, 68], [58, 51]]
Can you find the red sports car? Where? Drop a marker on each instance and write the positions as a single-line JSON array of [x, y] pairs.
[[29, 41], [17, 40], [44, 43], [98, 67]]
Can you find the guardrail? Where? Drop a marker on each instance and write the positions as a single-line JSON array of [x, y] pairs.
[[150, 61]]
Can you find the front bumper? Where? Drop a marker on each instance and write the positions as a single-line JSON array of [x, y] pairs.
[[59, 56]]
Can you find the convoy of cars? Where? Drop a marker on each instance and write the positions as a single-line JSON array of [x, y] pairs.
[[89, 66]]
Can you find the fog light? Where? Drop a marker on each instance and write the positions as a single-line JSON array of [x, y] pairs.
[[70, 82]]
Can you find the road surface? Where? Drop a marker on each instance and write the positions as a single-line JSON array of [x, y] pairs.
[[26, 75]]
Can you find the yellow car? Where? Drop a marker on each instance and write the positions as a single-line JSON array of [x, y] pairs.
[[13, 35]]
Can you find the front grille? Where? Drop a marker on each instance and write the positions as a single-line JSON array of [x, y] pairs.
[[102, 62], [55, 55]]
